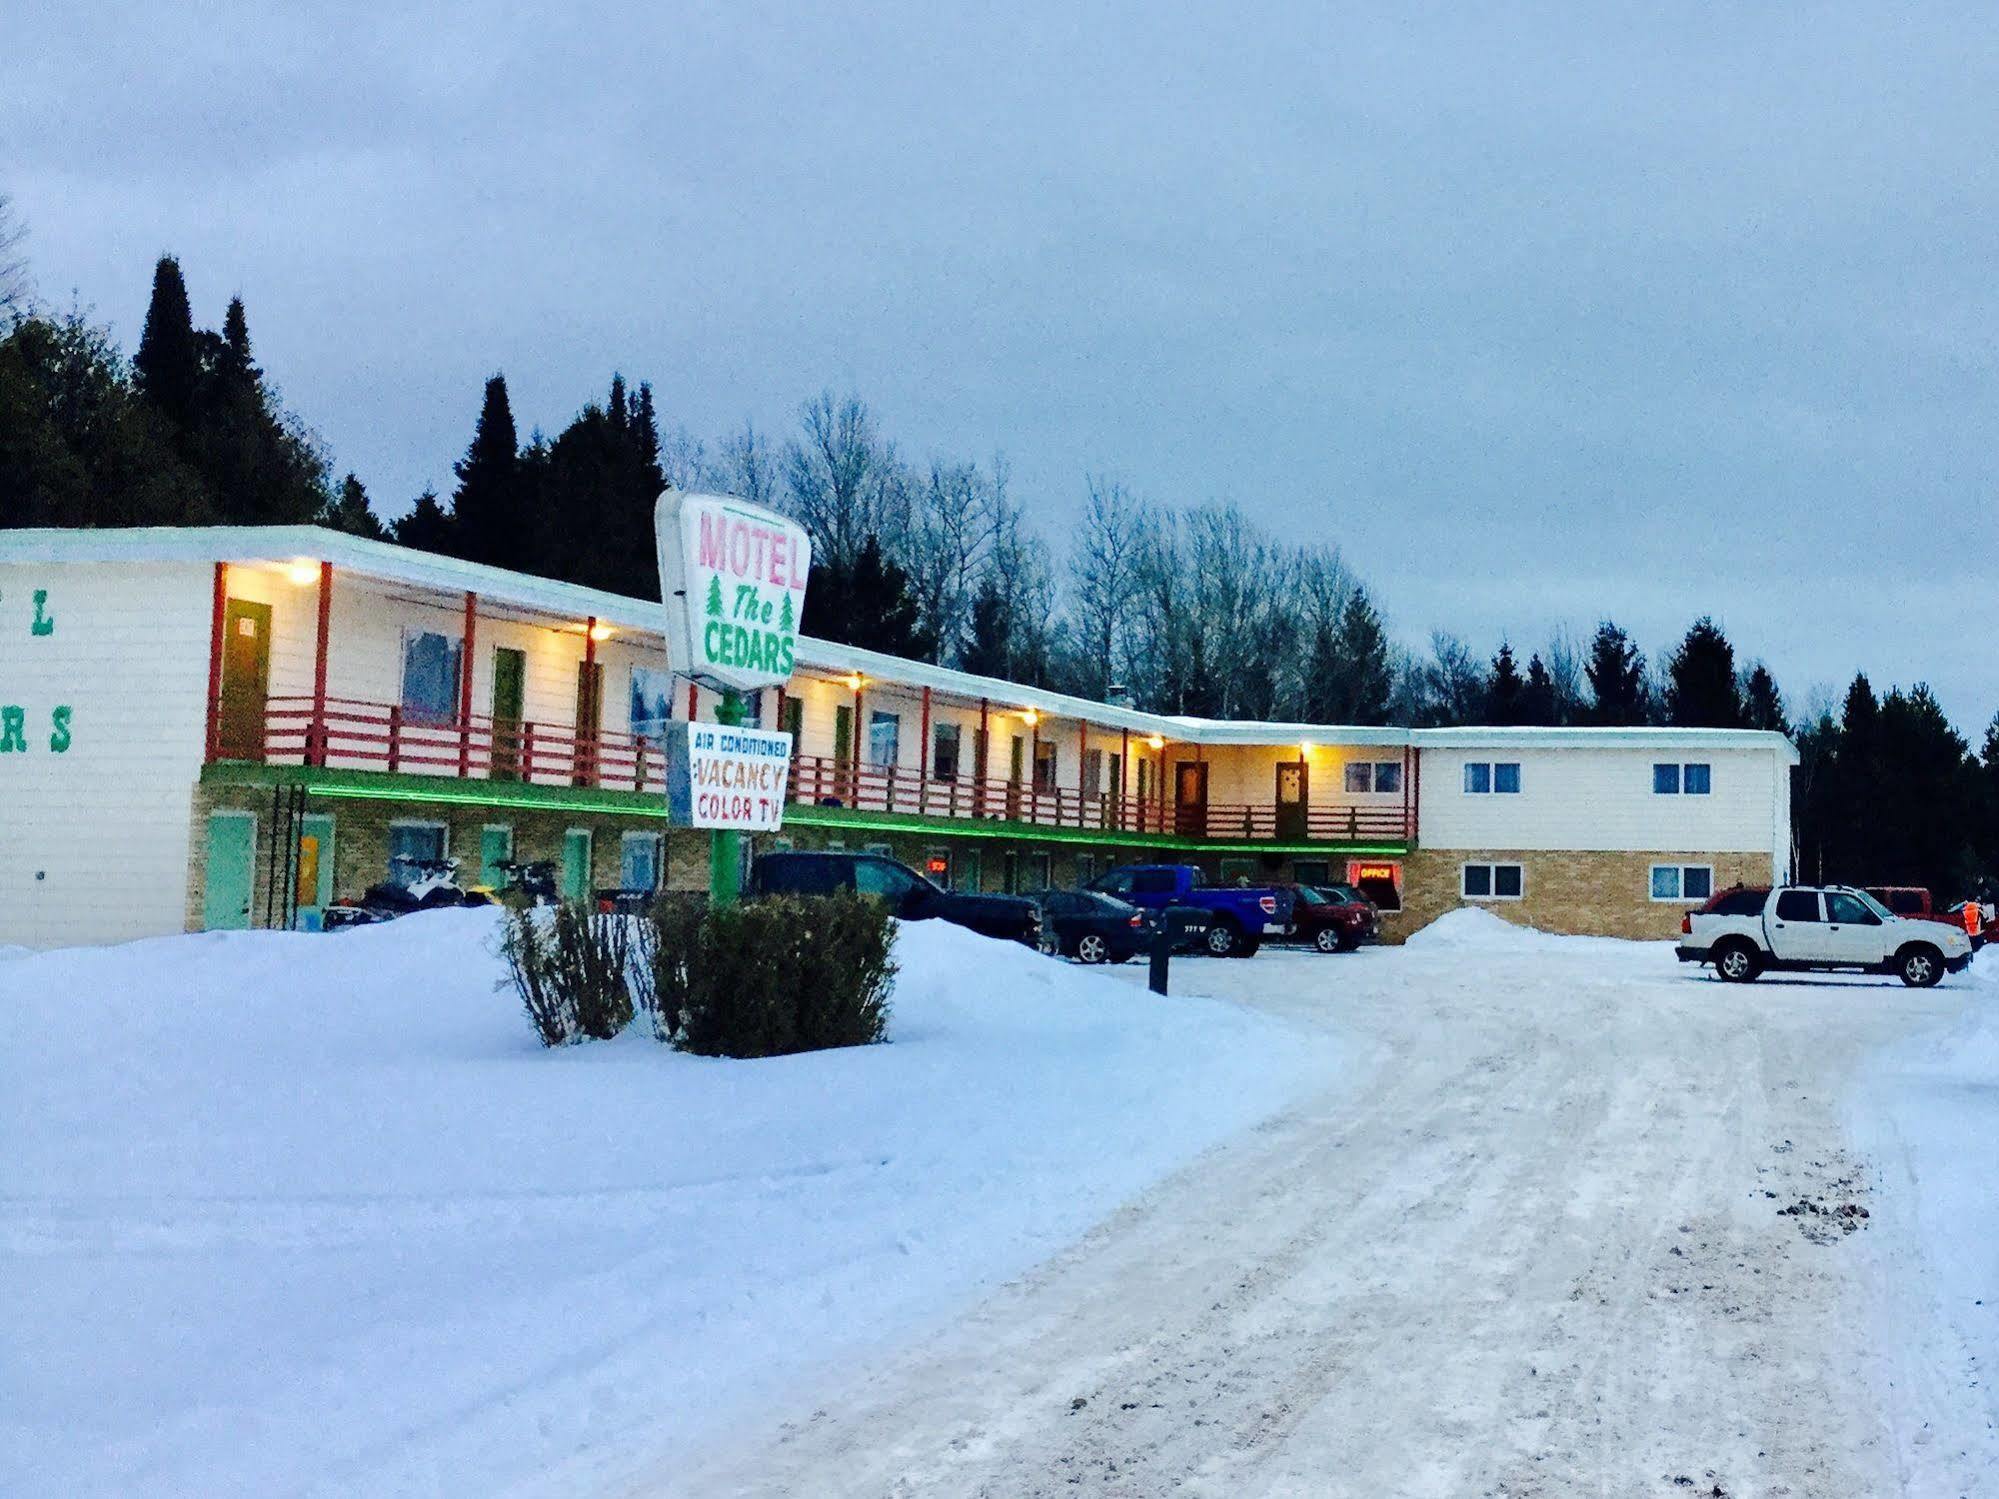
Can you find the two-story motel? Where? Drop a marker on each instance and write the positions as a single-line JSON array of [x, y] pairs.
[[231, 727]]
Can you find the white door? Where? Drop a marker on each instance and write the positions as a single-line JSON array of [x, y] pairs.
[[1854, 934], [1798, 928]]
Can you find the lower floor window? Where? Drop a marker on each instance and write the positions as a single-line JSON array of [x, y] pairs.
[[638, 861], [1493, 881], [1682, 882], [412, 844]]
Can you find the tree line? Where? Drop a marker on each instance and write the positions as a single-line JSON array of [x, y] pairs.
[[1180, 609]]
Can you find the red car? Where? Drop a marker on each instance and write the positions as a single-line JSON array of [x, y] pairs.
[[1333, 918]]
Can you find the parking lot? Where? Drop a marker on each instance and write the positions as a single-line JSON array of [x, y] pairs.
[[1576, 1221]]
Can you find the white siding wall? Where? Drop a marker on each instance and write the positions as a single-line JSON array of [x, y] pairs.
[[1602, 799], [94, 842]]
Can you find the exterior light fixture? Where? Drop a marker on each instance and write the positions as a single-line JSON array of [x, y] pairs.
[[302, 570], [854, 680], [1030, 717], [602, 632], [1157, 742], [1304, 750]]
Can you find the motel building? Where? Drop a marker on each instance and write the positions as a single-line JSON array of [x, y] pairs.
[[231, 727]]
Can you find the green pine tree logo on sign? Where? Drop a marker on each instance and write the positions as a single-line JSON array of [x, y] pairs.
[[714, 598], [784, 618]]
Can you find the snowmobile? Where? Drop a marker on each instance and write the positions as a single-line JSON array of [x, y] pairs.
[[413, 885]]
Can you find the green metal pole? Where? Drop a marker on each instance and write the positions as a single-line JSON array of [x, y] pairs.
[[725, 845]]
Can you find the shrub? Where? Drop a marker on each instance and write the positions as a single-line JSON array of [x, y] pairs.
[[796, 973], [570, 968]]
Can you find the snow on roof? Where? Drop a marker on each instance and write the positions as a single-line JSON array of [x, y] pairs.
[[386, 560]]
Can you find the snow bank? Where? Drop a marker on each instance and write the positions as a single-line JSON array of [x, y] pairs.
[[292, 1213], [1474, 929]]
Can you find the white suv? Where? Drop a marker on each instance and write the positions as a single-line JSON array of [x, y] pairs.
[[1809, 927]]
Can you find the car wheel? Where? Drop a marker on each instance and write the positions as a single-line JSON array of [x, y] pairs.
[[1223, 940], [1921, 966], [1090, 948], [1326, 939], [1737, 962]]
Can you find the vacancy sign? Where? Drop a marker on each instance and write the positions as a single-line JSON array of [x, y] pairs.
[[733, 577], [721, 776]]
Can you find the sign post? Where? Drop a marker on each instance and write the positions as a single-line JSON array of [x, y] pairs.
[[732, 576]]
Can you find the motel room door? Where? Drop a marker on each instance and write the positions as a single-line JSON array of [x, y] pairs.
[[1190, 798], [509, 677], [1293, 796], [246, 680], [229, 881]]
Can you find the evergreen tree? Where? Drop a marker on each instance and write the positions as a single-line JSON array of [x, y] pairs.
[[869, 605], [645, 433], [167, 368], [262, 466], [1506, 690], [715, 598], [428, 526], [236, 364], [1700, 680], [1538, 698], [349, 511], [489, 519], [1361, 665], [1616, 672], [786, 619], [1762, 704], [987, 650]]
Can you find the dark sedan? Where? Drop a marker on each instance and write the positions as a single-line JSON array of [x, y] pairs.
[[1334, 918], [1092, 927]]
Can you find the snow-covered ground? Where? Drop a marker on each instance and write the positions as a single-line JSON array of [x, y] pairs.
[[303, 1214], [1580, 1222], [1927, 1116]]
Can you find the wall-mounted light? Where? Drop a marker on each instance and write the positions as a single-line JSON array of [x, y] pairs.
[[1157, 741], [1029, 717], [1304, 750], [854, 680], [302, 570], [602, 632]]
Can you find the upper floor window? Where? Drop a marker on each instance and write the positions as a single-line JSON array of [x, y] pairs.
[[1695, 778], [944, 742], [1500, 777], [430, 677], [1044, 766], [1375, 776], [652, 701], [884, 738]]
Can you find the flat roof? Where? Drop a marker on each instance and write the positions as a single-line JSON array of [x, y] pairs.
[[386, 560]]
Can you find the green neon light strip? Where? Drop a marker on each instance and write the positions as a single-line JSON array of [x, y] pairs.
[[386, 786]]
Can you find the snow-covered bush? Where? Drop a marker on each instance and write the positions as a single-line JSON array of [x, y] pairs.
[[569, 967], [797, 973]]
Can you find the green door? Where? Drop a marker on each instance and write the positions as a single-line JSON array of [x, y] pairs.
[[315, 870], [496, 847], [509, 672], [576, 864], [232, 859]]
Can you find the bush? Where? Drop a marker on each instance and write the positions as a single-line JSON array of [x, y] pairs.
[[570, 968], [796, 973]]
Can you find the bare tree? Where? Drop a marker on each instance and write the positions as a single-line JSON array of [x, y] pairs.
[[957, 517], [745, 467], [14, 285], [843, 482], [1104, 580]]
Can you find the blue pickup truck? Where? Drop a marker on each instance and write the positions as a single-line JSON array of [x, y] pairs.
[[1238, 916]]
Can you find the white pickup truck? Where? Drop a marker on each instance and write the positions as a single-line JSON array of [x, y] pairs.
[[1812, 927]]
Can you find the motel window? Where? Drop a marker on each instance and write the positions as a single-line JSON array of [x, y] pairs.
[[1493, 882], [1666, 779], [651, 702], [1379, 776], [1682, 882], [1478, 777], [1086, 868], [430, 677], [1093, 772], [967, 872], [884, 738], [411, 844], [1693, 779], [639, 861], [1044, 766], [944, 742], [1039, 871]]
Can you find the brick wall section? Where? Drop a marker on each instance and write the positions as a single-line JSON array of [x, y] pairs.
[[1587, 893]]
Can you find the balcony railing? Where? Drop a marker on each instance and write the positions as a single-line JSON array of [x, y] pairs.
[[353, 735]]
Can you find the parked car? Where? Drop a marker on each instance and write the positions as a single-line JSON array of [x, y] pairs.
[[909, 894], [1912, 901], [1333, 918], [1808, 927], [1092, 927], [1239, 916]]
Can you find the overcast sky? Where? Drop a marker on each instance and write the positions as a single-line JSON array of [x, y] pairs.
[[1540, 318]]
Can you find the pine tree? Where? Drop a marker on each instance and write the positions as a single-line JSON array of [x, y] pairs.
[[987, 650], [489, 523], [167, 368], [786, 620], [1361, 664], [715, 598], [428, 526], [1538, 697], [645, 432], [1762, 704], [1700, 680], [349, 511], [1616, 672], [236, 363], [617, 408], [1505, 691]]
